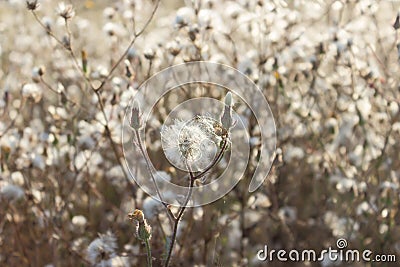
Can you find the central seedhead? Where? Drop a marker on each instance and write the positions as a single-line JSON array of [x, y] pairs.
[[191, 144]]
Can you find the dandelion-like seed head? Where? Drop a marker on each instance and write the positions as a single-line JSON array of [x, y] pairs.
[[101, 251], [65, 11], [193, 143]]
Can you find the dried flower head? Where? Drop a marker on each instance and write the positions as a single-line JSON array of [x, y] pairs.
[[38, 72], [32, 4], [101, 251], [149, 53], [65, 11], [174, 48], [143, 229], [136, 215], [192, 143], [32, 90], [11, 192]]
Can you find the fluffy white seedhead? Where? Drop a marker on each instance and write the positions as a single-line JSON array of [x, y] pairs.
[[101, 251], [193, 143], [11, 192]]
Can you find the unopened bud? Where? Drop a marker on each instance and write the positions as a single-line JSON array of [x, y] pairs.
[[135, 121], [66, 42], [143, 230], [396, 24], [84, 60], [129, 72], [226, 118], [228, 99]]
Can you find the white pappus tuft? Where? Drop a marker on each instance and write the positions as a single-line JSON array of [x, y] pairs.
[[101, 251], [193, 143]]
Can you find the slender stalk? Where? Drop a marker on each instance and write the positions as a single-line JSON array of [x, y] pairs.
[[140, 145], [182, 209], [135, 36], [215, 161], [148, 251], [178, 218], [104, 81]]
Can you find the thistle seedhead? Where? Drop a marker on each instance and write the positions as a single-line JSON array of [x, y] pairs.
[[191, 143], [174, 48]]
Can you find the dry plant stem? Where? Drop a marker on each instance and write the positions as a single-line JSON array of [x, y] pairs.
[[215, 161], [96, 90], [12, 123], [48, 86], [193, 178], [135, 36], [72, 54], [24, 254], [177, 219], [140, 145]]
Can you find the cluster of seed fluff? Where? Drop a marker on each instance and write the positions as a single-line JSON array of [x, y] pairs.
[[101, 251], [192, 143]]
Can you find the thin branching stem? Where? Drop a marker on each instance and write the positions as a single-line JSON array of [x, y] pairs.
[[182, 209], [87, 79], [135, 36], [141, 148], [177, 220]]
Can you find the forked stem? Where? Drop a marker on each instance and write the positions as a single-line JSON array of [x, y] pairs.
[[182, 209]]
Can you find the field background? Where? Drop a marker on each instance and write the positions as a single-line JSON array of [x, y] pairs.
[[329, 70]]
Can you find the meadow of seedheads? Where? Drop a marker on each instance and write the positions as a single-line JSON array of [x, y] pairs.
[[85, 166]]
